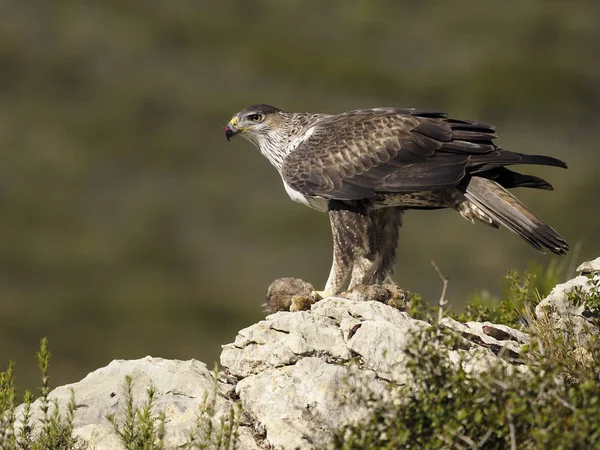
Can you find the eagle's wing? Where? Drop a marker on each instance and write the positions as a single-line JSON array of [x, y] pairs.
[[357, 154]]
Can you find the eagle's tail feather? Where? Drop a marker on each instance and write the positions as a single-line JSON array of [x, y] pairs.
[[541, 160], [510, 179], [504, 208]]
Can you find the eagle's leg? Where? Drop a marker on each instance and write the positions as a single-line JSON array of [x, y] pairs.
[[349, 228], [375, 258], [386, 223], [366, 257]]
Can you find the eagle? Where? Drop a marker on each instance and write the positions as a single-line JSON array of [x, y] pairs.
[[366, 167]]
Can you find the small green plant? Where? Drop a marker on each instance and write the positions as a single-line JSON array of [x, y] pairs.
[[590, 299], [205, 436], [522, 292], [144, 429], [56, 432], [419, 308], [141, 428], [7, 407]]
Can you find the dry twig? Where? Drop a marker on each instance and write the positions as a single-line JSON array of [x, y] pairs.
[[443, 303]]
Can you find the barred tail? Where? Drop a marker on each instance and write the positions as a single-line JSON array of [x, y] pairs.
[[504, 208]]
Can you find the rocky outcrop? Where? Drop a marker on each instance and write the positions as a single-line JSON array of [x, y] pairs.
[[295, 375], [298, 372], [563, 313], [183, 389], [292, 379]]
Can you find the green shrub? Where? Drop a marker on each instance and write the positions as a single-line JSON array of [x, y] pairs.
[[555, 404], [141, 429], [521, 293]]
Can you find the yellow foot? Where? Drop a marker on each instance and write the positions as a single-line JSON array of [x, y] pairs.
[[320, 295]]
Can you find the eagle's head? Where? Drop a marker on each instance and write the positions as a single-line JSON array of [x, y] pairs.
[[253, 123]]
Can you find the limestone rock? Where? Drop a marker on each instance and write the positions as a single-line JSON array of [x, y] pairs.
[[301, 404], [497, 337], [181, 387], [334, 329], [297, 371], [566, 316], [282, 339], [589, 267]]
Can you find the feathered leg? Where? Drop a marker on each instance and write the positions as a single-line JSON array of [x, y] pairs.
[[349, 228], [385, 228], [364, 245], [375, 263]]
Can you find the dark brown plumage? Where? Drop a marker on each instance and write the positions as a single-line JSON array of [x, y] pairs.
[[355, 155], [362, 154]]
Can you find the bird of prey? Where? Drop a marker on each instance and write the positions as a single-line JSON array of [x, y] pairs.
[[366, 167]]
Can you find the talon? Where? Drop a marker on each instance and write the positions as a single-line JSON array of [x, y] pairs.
[[320, 295]]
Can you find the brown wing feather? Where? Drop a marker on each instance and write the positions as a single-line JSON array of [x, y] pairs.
[[360, 153]]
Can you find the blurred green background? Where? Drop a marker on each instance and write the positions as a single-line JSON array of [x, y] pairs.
[[129, 226]]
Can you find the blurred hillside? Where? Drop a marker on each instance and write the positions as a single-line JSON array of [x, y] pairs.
[[130, 226]]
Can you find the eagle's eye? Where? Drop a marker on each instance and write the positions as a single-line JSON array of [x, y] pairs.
[[255, 117]]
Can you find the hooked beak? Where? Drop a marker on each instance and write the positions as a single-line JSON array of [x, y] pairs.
[[231, 129]]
